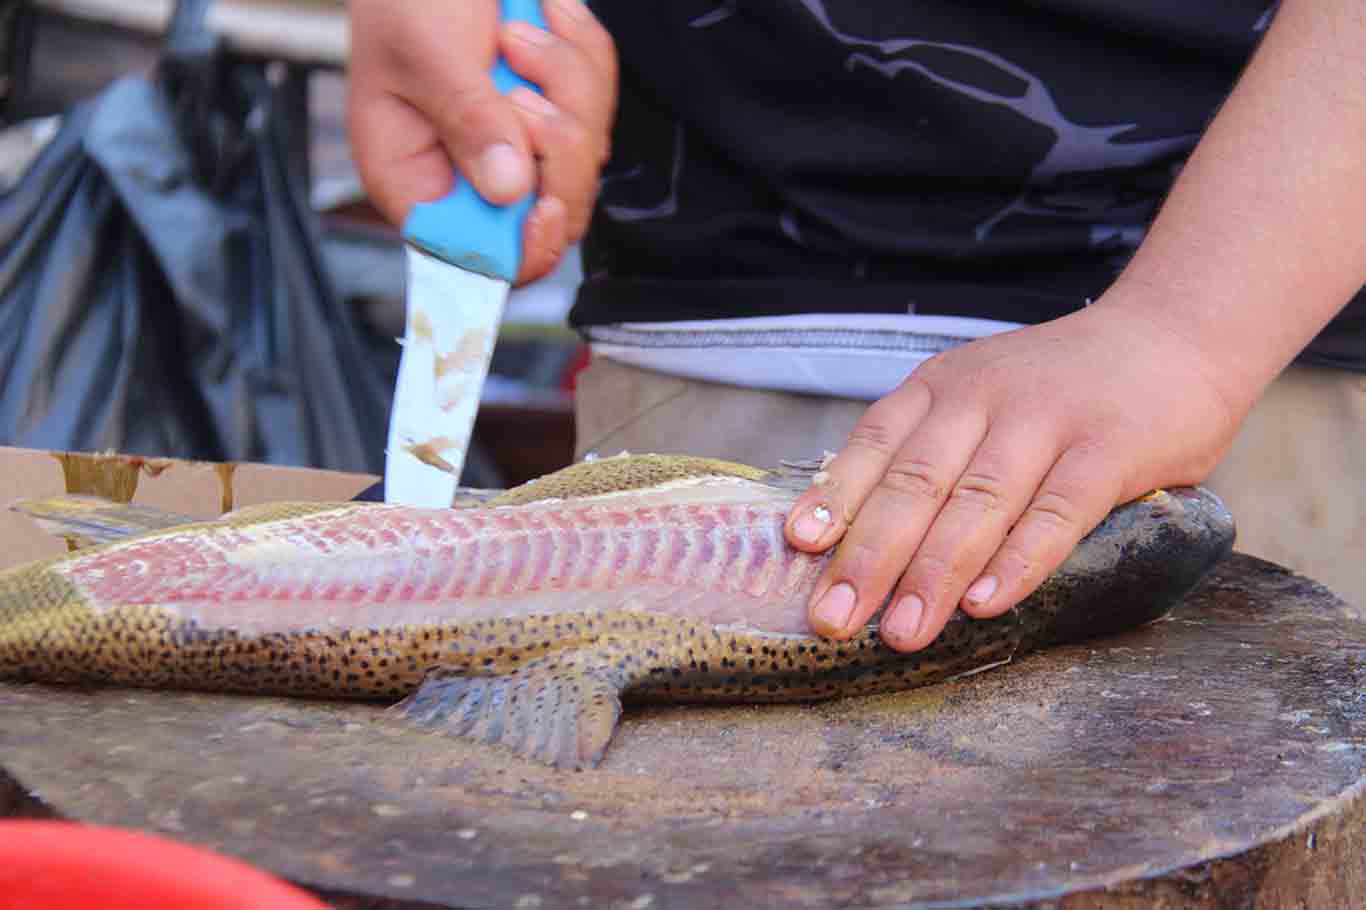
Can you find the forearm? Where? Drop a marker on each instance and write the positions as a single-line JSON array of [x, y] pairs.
[[1263, 238]]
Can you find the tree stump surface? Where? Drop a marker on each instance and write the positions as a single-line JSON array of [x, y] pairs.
[[1213, 759]]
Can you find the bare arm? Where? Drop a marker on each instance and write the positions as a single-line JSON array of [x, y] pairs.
[[971, 482], [1263, 238]]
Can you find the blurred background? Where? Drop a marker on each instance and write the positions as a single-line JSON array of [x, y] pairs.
[[189, 265]]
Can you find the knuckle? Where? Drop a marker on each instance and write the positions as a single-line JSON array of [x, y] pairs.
[[915, 383], [872, 434], [576, 98], [565, 62], [548, 136], [574, 135], [913, 479], [981, 490], [470, 110], [550, 40], [1056, 511], [930, 368], [560, 59]]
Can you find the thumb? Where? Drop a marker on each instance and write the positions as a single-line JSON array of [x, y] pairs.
[[422, 105], [483, 136]]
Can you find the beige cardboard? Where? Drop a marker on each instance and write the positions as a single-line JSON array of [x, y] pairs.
[[196, 488]]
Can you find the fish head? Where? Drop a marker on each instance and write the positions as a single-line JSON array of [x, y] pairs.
[[1133, 567]]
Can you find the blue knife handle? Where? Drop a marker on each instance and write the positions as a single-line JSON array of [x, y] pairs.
[[463, 228]]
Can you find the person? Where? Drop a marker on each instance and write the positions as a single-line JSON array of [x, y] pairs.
[[1075, 250]]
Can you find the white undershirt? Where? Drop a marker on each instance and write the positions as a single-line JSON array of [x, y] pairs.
[[861, 355]]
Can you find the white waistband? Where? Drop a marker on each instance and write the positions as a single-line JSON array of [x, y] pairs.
[[861, 355]]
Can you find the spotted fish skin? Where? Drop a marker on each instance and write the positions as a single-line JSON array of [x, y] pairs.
[[526, 624]]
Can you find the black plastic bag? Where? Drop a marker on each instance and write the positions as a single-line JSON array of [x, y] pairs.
[[161, 286]]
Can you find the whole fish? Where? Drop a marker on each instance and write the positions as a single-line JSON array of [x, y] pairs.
[[526, 619]]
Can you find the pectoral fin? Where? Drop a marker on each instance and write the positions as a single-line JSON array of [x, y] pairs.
[[555, 711]]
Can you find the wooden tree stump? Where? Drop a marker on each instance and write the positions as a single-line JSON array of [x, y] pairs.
[[1215, 759]]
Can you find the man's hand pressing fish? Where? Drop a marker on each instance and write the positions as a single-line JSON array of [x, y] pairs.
[[527, 620]]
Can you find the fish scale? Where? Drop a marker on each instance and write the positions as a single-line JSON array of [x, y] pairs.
[[527, 621]]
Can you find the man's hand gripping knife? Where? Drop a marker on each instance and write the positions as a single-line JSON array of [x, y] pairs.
[[423, 107]]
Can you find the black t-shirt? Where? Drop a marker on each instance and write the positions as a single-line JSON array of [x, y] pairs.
[[966, 157]]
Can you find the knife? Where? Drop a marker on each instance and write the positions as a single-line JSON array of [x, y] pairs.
[[463, 254]]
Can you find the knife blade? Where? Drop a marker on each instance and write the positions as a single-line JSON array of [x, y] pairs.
[[463, 254]]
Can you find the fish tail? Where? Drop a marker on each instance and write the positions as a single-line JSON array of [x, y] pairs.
[[85, 521]]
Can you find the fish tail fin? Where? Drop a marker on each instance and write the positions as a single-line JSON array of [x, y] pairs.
[[85, 521], [561, 712]]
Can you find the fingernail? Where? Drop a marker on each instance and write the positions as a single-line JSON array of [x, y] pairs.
[[547, 211], [811, 525], [548, 208], [503, 170], [575, 9], [902, 622], [533, 102], [981, 590], [531, 34], [833, 611]]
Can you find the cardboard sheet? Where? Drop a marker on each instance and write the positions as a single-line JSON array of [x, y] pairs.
[[201, 489]]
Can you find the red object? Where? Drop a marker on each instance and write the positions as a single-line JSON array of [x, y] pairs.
[[46, 865], [577, 364]]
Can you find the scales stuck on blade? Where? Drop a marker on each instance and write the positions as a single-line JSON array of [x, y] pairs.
[[463, 254]]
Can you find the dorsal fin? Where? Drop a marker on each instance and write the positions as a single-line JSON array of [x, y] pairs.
[[622, 472], [85, 521]]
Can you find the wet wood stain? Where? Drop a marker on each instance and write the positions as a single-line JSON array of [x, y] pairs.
[[225, 471]]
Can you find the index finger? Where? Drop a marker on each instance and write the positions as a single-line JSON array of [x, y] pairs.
[[824, 512]]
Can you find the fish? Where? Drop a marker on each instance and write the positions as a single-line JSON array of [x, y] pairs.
[[528, 618]]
